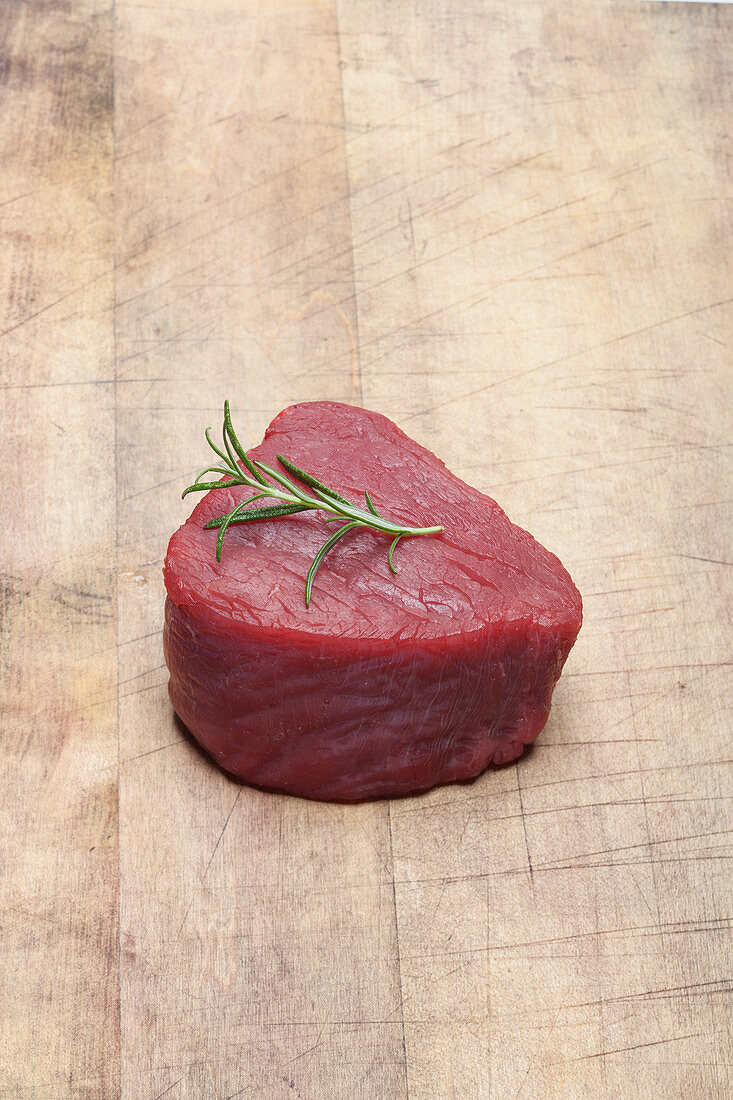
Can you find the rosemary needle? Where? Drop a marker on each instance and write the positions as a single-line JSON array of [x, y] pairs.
[[299, 492]]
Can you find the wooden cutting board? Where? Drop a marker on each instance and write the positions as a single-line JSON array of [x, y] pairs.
[[508, 227]]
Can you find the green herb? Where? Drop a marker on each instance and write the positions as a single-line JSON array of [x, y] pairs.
[[309, 495]]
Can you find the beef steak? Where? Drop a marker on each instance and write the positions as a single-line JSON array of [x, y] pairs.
[[387, 684]]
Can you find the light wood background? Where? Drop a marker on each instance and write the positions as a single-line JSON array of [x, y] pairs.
[[508, 227]]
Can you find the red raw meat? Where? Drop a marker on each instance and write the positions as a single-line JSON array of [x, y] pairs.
[[388, 684]]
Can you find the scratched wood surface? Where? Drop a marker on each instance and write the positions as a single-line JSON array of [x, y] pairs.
[[59, 983], [508, 227]]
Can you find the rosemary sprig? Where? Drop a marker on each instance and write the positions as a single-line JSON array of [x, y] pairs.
[[300, 492]]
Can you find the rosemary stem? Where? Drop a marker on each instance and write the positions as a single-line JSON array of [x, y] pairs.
[[304, 493]]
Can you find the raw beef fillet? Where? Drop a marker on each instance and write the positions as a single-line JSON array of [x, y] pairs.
[[386, 685]]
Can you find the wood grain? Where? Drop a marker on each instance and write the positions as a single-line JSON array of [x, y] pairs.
[[59, 980], [235, 277], [508, 227], [538, 207]]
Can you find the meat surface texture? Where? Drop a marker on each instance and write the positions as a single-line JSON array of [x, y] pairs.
[[386, 685]]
